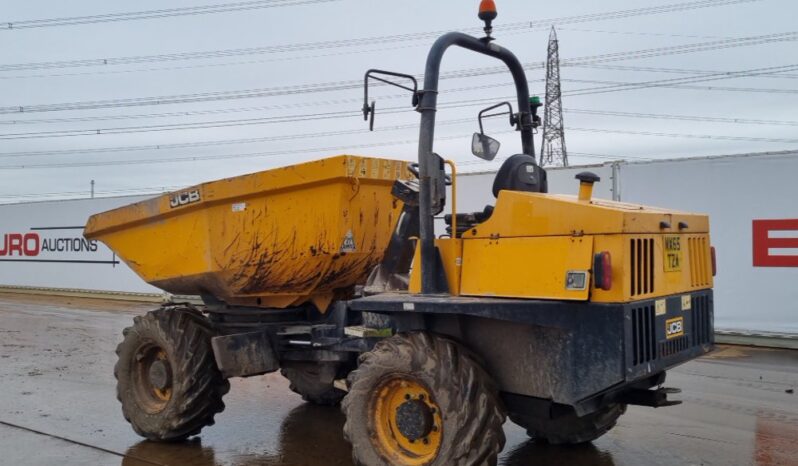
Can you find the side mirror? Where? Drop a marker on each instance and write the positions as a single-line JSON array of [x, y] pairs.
[[484, 147]]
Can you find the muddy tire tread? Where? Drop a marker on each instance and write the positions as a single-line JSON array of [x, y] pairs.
[[198, 385], [305, 381], [571, 430], [475, 414]]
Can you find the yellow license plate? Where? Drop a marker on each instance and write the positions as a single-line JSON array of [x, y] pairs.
[[673, 253]]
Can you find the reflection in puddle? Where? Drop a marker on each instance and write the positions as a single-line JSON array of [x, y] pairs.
[[312, 435], [189, 453], [309, 435], [533, 453]]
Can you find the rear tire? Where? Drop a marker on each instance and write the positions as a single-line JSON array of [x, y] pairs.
[[167, 379], [422, 399], [570, 429], [314, 381]]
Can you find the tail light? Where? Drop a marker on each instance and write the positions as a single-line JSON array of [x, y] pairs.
[[602, 271], [714, 261]]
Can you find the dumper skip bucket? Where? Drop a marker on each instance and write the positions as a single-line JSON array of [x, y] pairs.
[[274, 239]]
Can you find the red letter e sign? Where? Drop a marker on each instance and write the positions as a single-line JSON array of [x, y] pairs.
[[773, 240]]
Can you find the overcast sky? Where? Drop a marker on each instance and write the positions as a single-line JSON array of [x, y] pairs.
[[770, 97]]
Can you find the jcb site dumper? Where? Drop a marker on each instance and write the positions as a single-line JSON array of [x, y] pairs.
[[557, 311]]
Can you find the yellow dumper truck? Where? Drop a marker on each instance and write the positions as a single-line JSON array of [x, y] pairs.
[[557, 311]]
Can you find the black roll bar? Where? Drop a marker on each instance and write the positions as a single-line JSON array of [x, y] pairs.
[[431, 173]]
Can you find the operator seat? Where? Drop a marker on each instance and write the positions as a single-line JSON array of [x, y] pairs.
[[517, 173], [520, 173]]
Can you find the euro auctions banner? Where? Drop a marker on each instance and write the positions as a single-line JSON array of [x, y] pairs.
[[42, 245], [55, 244]]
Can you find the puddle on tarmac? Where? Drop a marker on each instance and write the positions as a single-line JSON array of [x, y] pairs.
[[311, 435]]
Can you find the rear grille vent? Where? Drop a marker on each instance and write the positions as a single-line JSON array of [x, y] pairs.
[[644, 341], [700, 269], [641, 254], [701, 321], [674, 346]]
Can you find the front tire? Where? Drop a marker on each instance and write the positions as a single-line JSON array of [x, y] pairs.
[[422, 399], [570, 429], [167, 379]]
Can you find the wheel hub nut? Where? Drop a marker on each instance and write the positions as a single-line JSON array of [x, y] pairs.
[[414, 419], [160, 375]]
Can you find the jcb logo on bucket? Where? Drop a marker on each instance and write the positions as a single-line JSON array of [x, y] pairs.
[[186, 197], [674, 327]]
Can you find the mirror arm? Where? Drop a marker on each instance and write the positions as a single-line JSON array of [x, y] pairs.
[[513, 119], [370, 110]]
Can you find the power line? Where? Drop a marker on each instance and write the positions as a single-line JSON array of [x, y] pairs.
[[612, 87], [700, 118], [185, 145], [356, 113], [652, 69], [685, 48], [308, 117], [630, 86], [225, 64], [227, 156], [654, 34], [348, 101], [353, 84], [189, 112], [386, 39], [182, 126], [611, 157], [184, 98], [230, 95], [154, 14], [244, 121], [85, 192], [378, 144], [255, 155], [679, 81], [688, 135]]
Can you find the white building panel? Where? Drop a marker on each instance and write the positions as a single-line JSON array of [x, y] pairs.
[[734, 191]]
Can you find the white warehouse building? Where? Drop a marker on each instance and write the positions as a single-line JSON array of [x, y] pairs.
[[752, 200]]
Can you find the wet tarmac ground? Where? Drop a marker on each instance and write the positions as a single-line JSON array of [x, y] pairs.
[[58, 406]]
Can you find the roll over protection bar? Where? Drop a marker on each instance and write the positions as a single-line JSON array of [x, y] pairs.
[[430, 171]]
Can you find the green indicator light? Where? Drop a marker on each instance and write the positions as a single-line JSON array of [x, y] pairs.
[[534, 100]]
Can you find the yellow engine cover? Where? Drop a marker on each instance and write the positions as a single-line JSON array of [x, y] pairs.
[[534, 243]]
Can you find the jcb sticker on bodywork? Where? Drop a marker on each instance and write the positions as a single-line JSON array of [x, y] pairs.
[[674, 327], [184, 198]]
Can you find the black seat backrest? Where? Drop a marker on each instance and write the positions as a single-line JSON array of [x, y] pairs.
[[520, 173]]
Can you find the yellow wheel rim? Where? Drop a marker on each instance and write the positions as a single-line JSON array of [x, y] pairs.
[[406, 421], [152, 395], [163, 394]]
